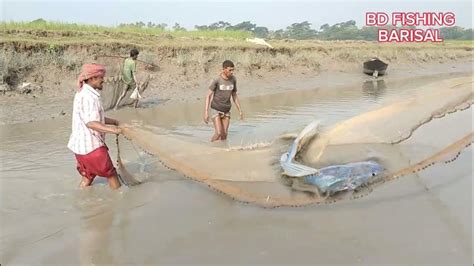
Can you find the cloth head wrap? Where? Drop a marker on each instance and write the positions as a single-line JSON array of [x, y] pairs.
[[90, 71]]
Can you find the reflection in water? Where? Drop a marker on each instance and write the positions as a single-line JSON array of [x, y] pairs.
[[95, 229], [374, 88]]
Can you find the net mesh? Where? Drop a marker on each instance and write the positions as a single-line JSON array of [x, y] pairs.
[[254, 176]]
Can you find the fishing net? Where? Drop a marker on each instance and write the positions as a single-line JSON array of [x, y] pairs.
[[381, 136], [114, 86]]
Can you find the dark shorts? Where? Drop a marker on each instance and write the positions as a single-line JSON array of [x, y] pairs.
[[95, 163], [128, 87]]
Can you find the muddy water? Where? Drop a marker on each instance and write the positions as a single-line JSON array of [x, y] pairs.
[[268, 116], [170, 220]]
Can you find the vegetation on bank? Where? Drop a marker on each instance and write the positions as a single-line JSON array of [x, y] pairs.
[[347, 30], [41, 25], [27, 48]]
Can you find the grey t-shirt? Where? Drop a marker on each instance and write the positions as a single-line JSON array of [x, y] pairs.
[[223, 90]]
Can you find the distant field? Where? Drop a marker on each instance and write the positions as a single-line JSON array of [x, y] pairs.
[[55, 33], [73, 27], [26, 48]]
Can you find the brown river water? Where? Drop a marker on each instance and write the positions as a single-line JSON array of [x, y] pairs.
[[422, 218]]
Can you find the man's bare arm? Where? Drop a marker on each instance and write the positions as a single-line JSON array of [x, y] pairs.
[[209, 96], [235, 97], [97, 126], [134, 77]]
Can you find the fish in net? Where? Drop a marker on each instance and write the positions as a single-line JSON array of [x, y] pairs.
[[374, 138]]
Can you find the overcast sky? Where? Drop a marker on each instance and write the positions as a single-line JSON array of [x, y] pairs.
[[271, 14]]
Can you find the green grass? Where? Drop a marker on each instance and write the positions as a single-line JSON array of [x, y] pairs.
[[469, 43], [63, 27], [58, 33]]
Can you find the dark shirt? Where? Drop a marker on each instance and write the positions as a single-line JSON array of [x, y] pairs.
[[223, 90]]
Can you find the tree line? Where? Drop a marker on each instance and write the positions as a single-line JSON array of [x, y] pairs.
[[303, 31]]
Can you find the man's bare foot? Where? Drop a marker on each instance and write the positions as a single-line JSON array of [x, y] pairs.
[[85, 183]]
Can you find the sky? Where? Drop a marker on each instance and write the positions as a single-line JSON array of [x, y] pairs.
[[271, 14]]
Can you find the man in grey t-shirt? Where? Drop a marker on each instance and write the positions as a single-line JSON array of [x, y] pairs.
[[218, 97]]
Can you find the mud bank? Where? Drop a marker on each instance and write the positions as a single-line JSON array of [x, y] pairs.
[[181, 69]]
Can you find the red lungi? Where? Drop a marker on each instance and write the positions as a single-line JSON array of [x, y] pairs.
[[96, 163]]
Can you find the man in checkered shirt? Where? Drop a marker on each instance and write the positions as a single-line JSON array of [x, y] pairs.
[[89, 126]]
